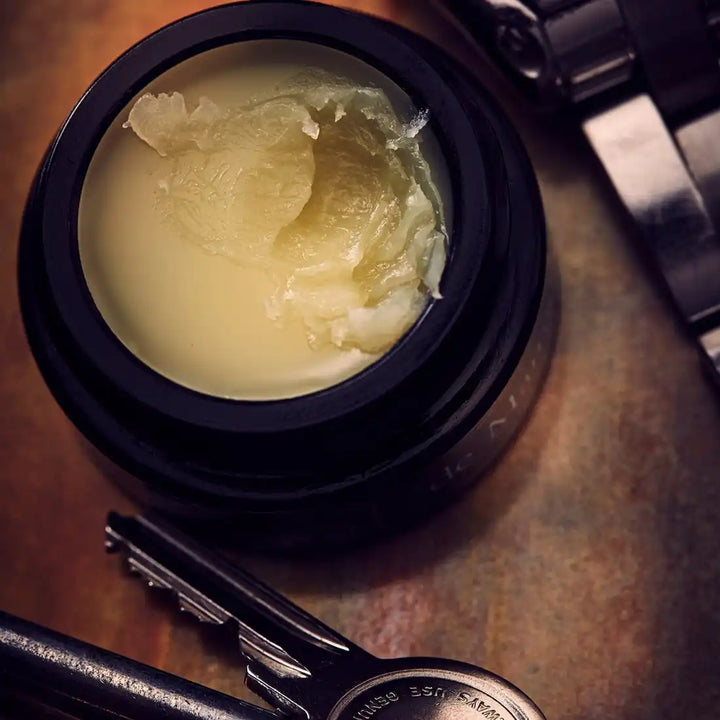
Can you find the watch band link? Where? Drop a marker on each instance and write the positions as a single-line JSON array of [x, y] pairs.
[[643, 75], [662, 152]]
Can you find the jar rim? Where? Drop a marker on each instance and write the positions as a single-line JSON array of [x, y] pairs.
[[366, 38]]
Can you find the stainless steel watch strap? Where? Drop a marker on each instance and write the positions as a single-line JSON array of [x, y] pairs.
[[643, 76], [659, 151], [652, 179]]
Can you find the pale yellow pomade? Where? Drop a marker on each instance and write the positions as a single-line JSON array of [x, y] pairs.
[[262, 231]]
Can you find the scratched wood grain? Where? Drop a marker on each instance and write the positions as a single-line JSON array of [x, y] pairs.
[[584, 568]]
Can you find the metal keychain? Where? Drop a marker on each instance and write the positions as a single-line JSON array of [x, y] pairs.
[[42, 670], [292, 660]]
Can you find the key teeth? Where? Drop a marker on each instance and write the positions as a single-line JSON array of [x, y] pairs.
[[113, 543], [156, 553], [137, 566], [152, 579], [187, 605]]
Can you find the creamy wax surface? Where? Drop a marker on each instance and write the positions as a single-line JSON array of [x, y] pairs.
[[255, 228]]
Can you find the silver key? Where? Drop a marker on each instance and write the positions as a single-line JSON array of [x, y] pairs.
[[296, 663]]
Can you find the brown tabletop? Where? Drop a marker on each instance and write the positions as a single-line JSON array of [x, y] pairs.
[[585, 568]]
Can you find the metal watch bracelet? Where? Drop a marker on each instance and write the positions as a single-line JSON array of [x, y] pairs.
[[644, 79]]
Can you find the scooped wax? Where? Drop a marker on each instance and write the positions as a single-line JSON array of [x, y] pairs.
[[256, 228], [321, 187]]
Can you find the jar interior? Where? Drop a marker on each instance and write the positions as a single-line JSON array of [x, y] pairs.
[[182, 306]]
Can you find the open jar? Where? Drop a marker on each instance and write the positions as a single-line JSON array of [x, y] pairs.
[[346, 459]]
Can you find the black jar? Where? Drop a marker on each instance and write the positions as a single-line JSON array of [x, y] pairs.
[[375, 452]]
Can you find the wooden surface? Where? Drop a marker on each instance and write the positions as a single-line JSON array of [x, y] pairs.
[[585, 568]]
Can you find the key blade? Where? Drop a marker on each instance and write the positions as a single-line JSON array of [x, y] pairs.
[[193, 601], [272, 630], [156, 575]]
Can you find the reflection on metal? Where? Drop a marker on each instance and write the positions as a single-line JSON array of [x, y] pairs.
[[645, 75], [559, 51], [710, 346], [643, 163], [67, 675], [699, 141], [592, 48]]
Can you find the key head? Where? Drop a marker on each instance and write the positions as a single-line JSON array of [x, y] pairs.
[[433, 689]]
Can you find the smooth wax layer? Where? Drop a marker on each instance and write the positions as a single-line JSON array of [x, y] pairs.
[[254, 228], [321, 187]]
